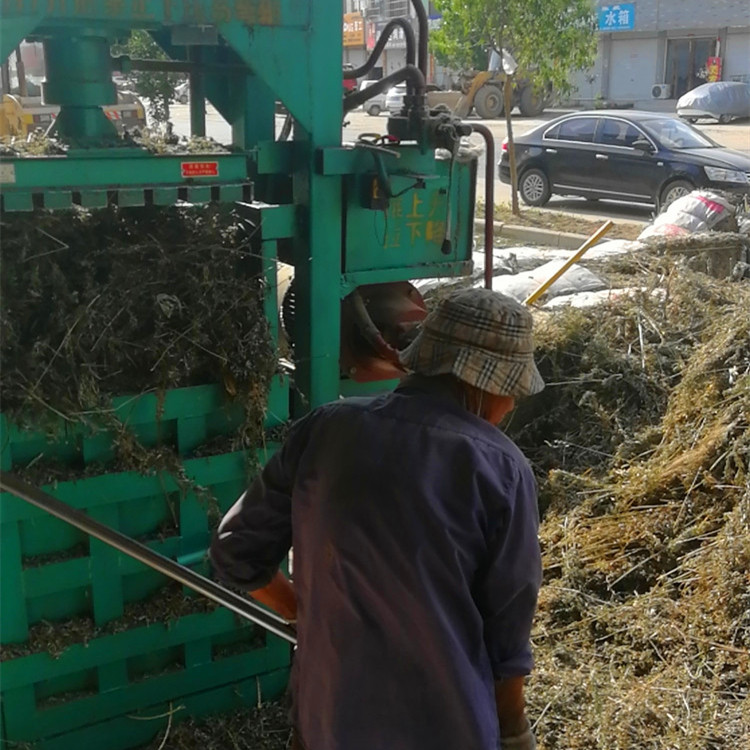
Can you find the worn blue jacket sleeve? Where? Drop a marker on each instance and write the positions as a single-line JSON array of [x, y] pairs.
[[256, 533], [507, 586]]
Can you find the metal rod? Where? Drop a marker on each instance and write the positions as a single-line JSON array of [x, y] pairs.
[[198, 583], [125, 64], [595, 237], [489, 201]]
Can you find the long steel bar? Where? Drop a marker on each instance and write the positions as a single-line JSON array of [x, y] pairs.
[[198, 583]]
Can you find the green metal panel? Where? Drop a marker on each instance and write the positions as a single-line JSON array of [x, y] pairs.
[[182, 418], [51, 573], [124, 168], [411, 232], [38, 691], [121, 733]]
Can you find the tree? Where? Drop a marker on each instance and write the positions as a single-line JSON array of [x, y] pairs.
[[548, 38], [156, 86]]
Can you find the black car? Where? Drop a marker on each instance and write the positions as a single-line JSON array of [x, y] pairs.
[[642, 157]]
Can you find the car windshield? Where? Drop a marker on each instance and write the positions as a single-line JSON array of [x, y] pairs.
[[676, 134]]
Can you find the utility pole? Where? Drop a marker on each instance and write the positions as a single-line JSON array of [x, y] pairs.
[[5, 77], [21, 73]]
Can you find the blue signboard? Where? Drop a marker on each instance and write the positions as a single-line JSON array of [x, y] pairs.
[[617, 17]]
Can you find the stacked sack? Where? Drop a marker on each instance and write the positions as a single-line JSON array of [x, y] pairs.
[[699, 211]]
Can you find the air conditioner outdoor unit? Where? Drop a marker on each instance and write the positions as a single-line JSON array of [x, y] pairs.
[[661, 91]]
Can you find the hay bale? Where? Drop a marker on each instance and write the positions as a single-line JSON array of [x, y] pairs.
[[126, 301]]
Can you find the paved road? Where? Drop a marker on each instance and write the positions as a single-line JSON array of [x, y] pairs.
[[734, 135]]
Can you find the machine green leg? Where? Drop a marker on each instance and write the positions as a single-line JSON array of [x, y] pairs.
[[197, 96]]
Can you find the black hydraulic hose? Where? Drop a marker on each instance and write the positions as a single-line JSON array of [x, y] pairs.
[[489, 200], [198, 583], [410, 73], [411, 46], [424, 33]]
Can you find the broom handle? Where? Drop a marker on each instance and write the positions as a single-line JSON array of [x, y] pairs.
[[595, 237]]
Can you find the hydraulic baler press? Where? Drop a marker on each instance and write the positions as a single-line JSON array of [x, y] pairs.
[[356, 221]]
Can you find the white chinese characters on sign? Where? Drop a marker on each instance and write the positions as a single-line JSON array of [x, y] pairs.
[[619, 17]]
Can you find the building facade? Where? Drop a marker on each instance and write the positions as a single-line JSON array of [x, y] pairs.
[[659, 49], [355, 49], [364, 21]]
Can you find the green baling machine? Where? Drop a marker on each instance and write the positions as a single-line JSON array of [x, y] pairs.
[[356, 221]]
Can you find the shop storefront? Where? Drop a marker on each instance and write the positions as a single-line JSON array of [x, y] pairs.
[[659, 49]]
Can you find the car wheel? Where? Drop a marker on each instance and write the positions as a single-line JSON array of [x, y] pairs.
[[692, 120], [373, 110], [725, 119], [534, 187], [674, 190], [489, 102]]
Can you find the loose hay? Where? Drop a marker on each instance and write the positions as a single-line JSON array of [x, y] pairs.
[[642, 445], [265, 727]]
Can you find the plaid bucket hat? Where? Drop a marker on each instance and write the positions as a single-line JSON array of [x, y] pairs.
[[483, 338]]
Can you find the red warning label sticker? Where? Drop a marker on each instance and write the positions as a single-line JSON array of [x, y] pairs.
[[200, 169]]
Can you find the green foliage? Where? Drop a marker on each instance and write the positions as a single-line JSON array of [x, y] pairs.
[[158, 87], [548, 38]]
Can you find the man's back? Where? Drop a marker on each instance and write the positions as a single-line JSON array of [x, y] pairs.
[[409, 518]]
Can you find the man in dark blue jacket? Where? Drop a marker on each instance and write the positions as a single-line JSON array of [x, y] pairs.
[[416, 560]]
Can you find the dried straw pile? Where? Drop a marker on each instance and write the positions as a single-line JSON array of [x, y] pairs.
[[642, 444]]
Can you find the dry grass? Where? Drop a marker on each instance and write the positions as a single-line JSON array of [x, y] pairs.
[[543, 218], [643, 632]]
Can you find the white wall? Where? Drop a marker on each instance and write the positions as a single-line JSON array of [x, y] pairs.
[[632, 68], [737, 56]]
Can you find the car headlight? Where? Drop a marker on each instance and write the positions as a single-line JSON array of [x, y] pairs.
[[719, 174]]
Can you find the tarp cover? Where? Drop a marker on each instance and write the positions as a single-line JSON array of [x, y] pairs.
[[720, 98]]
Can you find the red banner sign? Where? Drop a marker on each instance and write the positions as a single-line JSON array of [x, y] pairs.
[[200, 169]]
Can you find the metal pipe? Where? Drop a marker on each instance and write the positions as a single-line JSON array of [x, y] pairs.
[[424, 32], [125, 64], [489, 201], [409, 73], [595, 237], [385, 35], [198, 583]]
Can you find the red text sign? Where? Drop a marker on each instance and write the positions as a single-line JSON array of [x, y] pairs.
[[200, 168]]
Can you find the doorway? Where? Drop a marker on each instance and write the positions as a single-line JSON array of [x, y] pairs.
[[686, 63]]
